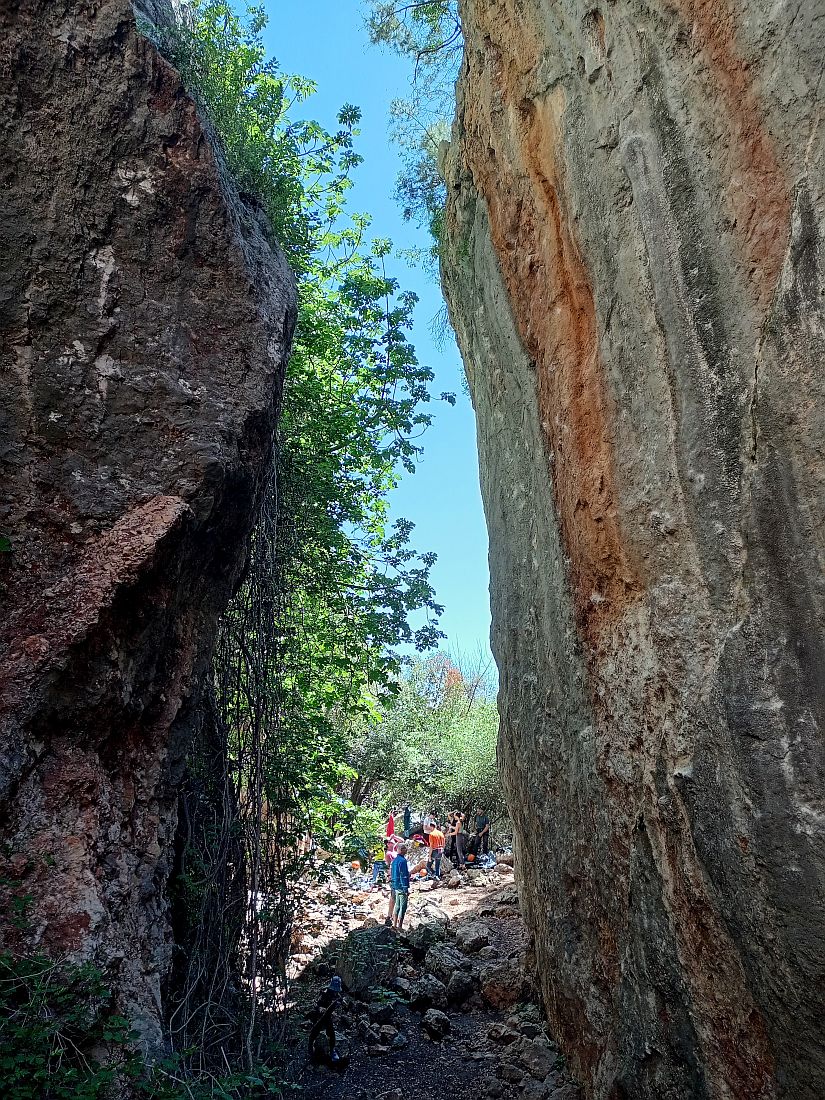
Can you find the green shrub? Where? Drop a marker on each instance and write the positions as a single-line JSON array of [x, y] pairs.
[[59, 1036]]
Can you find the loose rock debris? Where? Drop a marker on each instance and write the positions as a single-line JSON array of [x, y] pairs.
[[446, 1009]]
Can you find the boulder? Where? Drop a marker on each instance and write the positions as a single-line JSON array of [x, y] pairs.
[[472, 937], [402, 986], [428, 992], [492, 1088], [508, 896], [500, 983], [509, 1071], [369, 957], [538, 1090], [381, 1012], [425, 936], [531, 1030], [460, 987], [444, 959], [502, 1033], [538, 1058], [436, 1023]]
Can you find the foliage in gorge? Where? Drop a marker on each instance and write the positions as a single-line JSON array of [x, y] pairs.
[[429, 35], [434, 744], [60, 1038], [309, 646]]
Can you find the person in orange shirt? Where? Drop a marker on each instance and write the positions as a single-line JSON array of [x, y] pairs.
[[437, 840]]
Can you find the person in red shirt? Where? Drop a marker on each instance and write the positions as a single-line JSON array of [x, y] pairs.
[[391, 824]]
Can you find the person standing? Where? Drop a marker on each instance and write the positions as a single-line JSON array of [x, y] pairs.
[[450, 848], [428, 824], [482, 830], [460, 838], [391, 850], [407, 821], [379, 866], [436, 852], [327, 1003], [400, 879]]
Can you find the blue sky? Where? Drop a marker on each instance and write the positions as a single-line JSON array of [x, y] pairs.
[[327, 42]]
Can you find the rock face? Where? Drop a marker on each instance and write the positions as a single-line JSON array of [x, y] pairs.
[[144, 324], [635, 272]]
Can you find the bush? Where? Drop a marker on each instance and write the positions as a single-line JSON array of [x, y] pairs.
[[59, 1036], [435, 744]]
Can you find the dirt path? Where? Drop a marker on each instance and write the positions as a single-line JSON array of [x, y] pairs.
[[446, 1010]]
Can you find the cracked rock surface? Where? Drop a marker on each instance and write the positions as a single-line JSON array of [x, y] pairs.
[[634, 267], [144, 324]]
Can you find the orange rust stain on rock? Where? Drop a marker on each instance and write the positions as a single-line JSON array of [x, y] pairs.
[[554, 309], [758, 192]]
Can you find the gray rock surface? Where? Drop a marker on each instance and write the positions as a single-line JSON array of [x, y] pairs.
[[144, 324], [435, 1023], [634, 267], [369, 957], [460, 987], [428, 992], [444, 959]]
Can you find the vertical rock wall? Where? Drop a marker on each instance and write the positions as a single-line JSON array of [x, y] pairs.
[[144, 324], [634, 267]]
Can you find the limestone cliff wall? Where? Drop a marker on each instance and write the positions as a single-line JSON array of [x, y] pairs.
[[144, 323], [634, 267]]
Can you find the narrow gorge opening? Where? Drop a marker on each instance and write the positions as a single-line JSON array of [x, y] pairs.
[[276, 358]]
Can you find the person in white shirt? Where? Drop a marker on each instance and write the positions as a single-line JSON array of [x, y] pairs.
[[428, 825]]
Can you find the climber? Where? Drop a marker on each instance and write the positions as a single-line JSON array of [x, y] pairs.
[[327, 1003], [407, 821], [400, 879], [390, 830]]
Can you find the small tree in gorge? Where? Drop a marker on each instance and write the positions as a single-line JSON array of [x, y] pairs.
[[429, 35]]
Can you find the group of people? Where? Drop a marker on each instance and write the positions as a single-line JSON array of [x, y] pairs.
[[456, 842], [453, 840]]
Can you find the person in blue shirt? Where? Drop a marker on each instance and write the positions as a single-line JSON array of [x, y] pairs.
[[400, 882]]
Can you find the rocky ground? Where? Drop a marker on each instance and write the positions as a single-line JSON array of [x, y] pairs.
[[446, 1009]]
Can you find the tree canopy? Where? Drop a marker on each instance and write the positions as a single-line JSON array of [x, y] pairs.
[[434, 744]]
